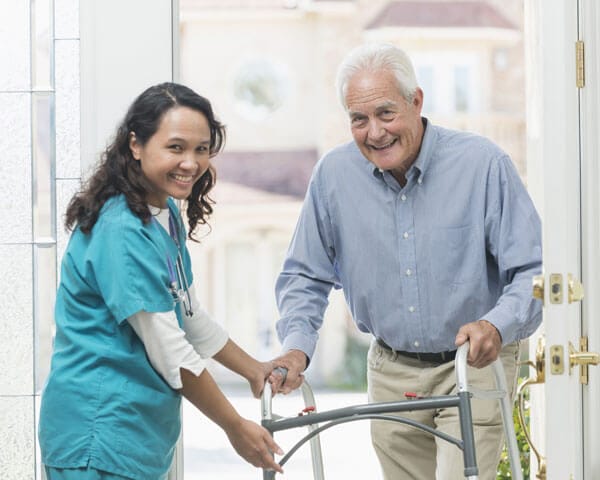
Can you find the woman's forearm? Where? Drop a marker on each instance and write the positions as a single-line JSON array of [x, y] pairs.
[[237, 360], [206, 396]]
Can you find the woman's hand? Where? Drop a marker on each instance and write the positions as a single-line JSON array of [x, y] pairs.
[[259, 376], [254, 444], [251, 441]]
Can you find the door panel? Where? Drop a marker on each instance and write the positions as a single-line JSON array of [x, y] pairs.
[[553, 147], [589, 32]]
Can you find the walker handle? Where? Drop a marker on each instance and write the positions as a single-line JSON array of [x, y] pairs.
[[283, 372]]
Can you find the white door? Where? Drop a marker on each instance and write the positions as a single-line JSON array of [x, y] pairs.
[[563, 132], [589, 32]]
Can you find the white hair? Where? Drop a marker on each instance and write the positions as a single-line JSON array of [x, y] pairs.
[[373, 57]]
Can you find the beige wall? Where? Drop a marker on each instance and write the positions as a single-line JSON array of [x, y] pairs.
[[309, 44]]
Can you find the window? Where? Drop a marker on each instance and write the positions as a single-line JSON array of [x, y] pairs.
[[448, 81], [260, 88]]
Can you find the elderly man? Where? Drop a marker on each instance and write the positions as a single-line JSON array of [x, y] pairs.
[[434, 239]]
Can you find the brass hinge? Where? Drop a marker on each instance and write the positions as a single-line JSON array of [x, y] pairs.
[[579, 64]]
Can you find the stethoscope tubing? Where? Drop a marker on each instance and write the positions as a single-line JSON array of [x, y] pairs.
[[179, 285]]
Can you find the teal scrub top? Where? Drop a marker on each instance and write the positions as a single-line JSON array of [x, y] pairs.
[[104, 405]]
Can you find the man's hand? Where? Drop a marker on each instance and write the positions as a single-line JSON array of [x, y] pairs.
[[295, 362], [485, 342]]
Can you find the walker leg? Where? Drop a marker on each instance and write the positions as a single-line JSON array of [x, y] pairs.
[[466, 429], [268, 474]]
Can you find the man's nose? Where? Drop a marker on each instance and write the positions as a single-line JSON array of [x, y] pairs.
[[376, 130]]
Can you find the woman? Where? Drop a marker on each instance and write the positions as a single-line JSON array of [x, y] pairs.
[[130, 335]]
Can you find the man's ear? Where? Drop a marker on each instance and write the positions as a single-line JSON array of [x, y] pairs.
[[418, 99], [134, 146]]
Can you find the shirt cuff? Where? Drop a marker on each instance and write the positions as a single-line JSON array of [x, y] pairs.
[[298, 341], [504, 321]]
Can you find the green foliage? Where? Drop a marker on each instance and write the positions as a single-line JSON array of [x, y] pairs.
[[504, 472], [353, 375]]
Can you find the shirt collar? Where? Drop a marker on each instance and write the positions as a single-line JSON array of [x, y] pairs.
[[423, 159]]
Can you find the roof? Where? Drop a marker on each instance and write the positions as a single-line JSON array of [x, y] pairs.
[[280, 172], [440, 14]]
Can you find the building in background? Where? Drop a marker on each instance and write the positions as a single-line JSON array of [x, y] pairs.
[[269, 67]]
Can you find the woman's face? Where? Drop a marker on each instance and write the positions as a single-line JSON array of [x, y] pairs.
[[176, 156]]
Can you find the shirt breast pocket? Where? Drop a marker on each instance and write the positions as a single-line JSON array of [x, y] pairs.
[[456, 254]]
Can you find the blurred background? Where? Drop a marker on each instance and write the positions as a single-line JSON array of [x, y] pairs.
[[269, 67]]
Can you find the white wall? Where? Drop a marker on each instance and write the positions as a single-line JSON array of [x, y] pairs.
[[69, 69]]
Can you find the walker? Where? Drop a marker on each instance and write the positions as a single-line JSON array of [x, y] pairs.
[[462, 400]]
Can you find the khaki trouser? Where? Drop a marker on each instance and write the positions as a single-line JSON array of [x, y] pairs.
[[406, 453]]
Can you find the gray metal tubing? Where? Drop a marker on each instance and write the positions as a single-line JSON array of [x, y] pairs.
[[366, 409], [466, 432], [359, 412], [505, 404], [507, 420], [406, 421], [315, 440]]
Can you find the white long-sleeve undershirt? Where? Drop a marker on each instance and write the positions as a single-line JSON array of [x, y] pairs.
[[170, 347]]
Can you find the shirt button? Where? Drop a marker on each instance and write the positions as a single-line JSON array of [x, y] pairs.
[[408, 272], [411, 309], [416, 343], [403, 198], [405, 235]]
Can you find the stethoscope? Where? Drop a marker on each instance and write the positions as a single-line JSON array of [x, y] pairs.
[[180, 289]]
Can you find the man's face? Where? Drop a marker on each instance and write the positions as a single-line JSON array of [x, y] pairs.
[[385, 126]]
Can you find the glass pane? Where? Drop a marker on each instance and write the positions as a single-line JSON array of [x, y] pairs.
[[42, 47], [44, 278], [43, 167]]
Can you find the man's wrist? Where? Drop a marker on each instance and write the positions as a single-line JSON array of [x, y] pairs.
[[300, 359]]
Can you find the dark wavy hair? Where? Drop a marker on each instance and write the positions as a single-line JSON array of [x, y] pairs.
[[119, 173]]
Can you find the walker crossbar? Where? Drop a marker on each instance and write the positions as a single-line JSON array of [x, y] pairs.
[[462, 401]]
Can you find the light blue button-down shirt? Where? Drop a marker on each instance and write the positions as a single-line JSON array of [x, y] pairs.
[[459, 242]]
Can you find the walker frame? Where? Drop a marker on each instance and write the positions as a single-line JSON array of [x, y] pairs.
[[380, 411]]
